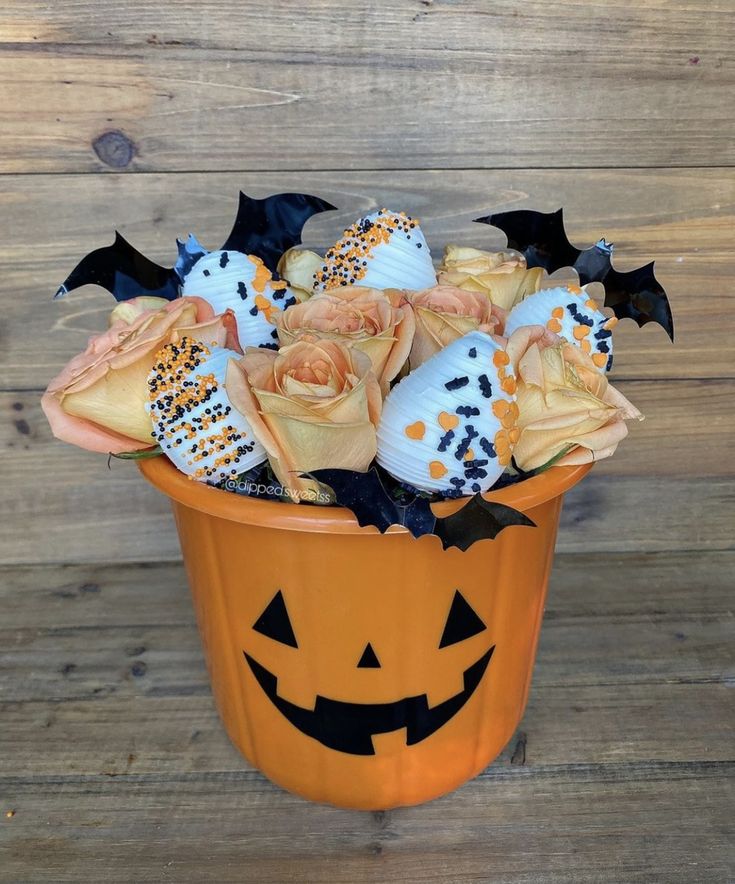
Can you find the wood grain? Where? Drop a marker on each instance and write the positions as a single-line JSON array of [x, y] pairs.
[[113, 764], [119, 777], [682, 219], [69, 506], [394, 85]]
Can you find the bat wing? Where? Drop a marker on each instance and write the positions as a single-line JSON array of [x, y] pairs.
[[479, 519], [124, 272], [638, 295], [362, 493], [541, 237], [268, 227]]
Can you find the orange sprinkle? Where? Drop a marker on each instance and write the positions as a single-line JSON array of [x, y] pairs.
[[586, 346], [592, 304], [470, 455], [558, 312], [500, 408], [554, 325], [437, 469], [574, 289], [262, 274], [600, 359], [508, 385], [581, 331], [265, 307], [500, 357], [415, 430], [514, 435], [611, 323], [447, 421]]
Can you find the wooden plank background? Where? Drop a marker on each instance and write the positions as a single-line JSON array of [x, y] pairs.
[[149, 118]]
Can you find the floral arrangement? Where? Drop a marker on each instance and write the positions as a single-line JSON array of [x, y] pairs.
[[363, 376]]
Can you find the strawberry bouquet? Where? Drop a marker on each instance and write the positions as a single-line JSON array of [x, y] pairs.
[[365, 376]]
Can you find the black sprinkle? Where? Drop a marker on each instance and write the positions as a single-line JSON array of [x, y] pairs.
[[242, 290], [206, 272], [603, 347], [274, 333], [467, 411], [224, 260], [487, 447], [445, 440], [457, 383], [602, 334], [609, 363], [253, 311], [486, 388], [475, 472], [464, 445], [472, 353]]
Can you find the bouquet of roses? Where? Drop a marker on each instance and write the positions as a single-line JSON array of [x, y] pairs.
[[265, 360]]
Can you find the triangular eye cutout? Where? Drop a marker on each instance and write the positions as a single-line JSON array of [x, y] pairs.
[[274, 622], [462, 622], [369, 659]]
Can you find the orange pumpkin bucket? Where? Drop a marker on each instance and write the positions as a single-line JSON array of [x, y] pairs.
[[362, 669]]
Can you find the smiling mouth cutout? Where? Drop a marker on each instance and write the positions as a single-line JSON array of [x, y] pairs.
[[349, 727]]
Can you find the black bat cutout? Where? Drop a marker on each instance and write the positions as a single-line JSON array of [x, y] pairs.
[[269, 227], [479, 519], [124, 272], [367, 497], [541, 237], [265, 228]]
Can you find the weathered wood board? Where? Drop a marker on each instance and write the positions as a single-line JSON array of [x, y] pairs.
[[408, 84]]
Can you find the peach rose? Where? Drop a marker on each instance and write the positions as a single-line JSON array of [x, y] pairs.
[[444, 313], [502, 276], [378, 323], [313, 405], [129, 311], [567, 408], [98, 400], [298, 266]]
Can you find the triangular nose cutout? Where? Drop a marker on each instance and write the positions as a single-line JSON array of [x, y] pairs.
[[368, 660]]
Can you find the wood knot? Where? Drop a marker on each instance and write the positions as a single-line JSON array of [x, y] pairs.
[[114, 149]]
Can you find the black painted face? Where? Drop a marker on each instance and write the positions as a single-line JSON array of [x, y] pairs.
[[349, 727]]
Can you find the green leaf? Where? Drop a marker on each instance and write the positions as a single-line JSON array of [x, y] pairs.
[[142, 454]]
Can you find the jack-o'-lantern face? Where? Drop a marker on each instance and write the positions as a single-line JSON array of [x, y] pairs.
[[350, 726]]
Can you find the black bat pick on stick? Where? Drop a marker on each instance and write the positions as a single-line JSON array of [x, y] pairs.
[[124, 272], [541, 237], [269, 227], [265, 228]]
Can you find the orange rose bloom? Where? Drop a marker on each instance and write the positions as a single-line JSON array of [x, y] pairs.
[[98, 401], [313, 405], [378, 323], [444, 313], [502, 276], [566, 405]]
